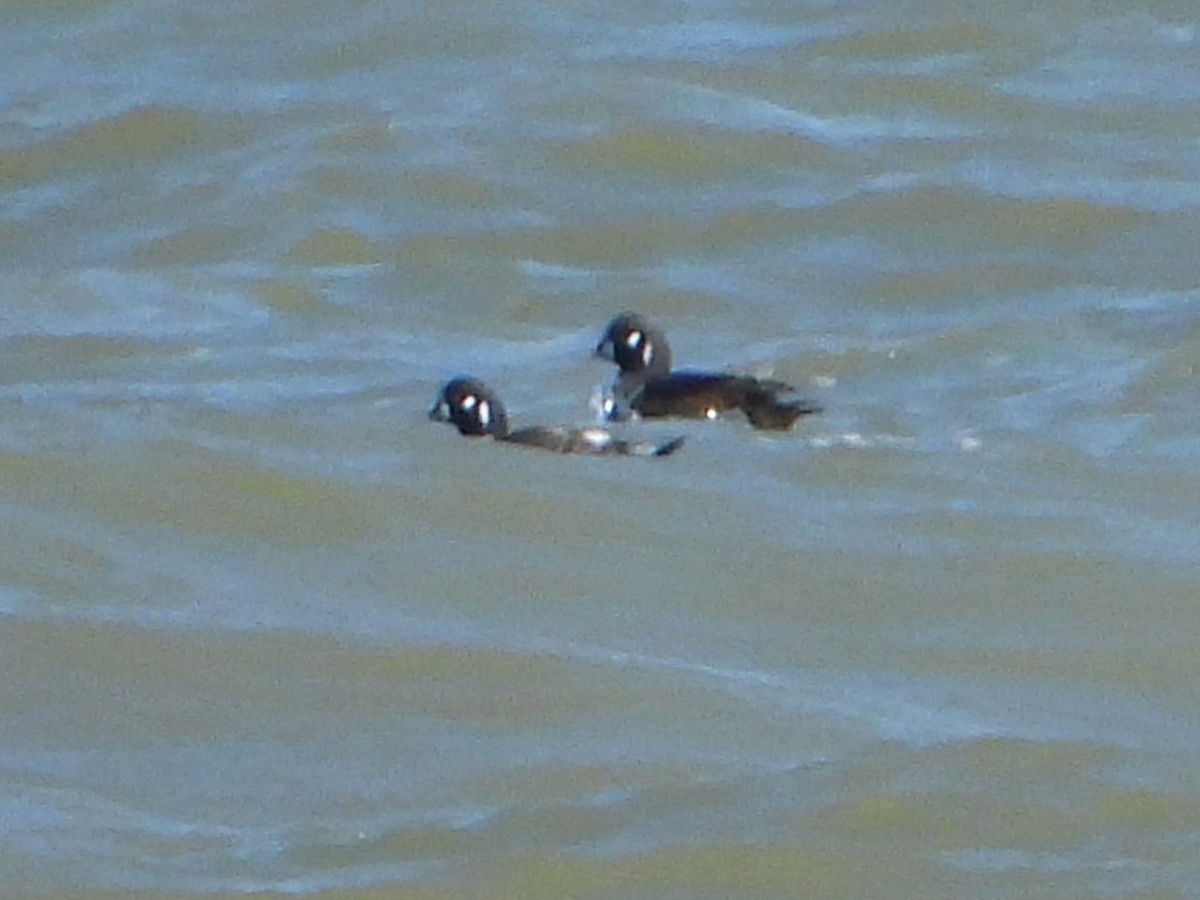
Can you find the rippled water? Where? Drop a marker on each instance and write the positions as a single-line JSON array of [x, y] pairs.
[[267, 629]]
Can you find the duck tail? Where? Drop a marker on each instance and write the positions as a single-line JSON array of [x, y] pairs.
[[766, 411], [668, 447]]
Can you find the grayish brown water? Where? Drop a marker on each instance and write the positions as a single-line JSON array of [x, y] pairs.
[[267, 629]]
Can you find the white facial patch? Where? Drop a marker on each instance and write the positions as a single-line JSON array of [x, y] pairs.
[[711, 413], [468, 402], [633, 339], [485, 412]]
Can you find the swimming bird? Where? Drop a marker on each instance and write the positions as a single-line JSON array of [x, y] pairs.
[[473, 408], [648, 387]]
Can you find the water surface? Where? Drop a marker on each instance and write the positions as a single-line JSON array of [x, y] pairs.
[[266, 629]]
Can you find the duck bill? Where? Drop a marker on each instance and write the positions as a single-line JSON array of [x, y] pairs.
[[605, 350], [440, 412]]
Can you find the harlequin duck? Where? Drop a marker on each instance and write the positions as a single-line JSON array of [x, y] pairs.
[[648, 387], [472, 407]]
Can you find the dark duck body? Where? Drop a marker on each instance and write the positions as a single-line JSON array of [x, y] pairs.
[[648, 387], [475, 410]]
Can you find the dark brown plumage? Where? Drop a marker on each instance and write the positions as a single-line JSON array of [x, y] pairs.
[[648, 387], [475, 410]]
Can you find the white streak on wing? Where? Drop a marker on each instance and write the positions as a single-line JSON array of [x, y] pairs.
[[485, 412], [596, 437]]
